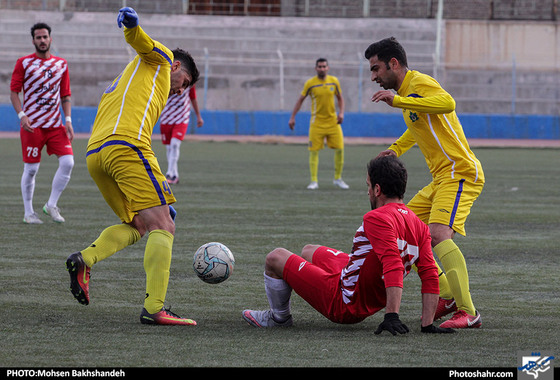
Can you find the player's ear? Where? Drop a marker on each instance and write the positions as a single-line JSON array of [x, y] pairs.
[[176, 65]]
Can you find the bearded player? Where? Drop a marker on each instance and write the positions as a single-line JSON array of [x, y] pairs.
[[347, 288]]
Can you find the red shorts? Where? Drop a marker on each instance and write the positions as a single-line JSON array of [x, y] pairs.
[[169, 131], [55, 139], [318, 283]]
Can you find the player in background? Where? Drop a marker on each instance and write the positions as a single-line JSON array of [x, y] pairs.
[[122, 163], [347, 288], [174, 122], [457, 176], [45, 82], [324, 123]]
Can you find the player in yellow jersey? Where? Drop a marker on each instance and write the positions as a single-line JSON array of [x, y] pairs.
[[457, 176], [324, 123], [121, 162]]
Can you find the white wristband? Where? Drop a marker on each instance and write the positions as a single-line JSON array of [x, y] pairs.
[[68, 119], [21, 114]]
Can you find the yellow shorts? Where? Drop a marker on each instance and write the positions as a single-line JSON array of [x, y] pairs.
[[332, 133], [447, 202], [128, 175]]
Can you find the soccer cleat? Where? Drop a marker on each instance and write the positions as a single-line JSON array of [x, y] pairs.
[[164, 317], [79, 277], [172, 180], [444, 307], [340, 183], [462, 320], [264, 318], [32, 219], [54, 213], [313, 186]]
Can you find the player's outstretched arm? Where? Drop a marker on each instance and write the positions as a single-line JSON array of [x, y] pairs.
[[127, 17]]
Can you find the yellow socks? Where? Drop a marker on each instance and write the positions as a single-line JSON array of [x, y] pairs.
[[157, 261], [314, 164], [111, 240], [338, 163], [456, 273]]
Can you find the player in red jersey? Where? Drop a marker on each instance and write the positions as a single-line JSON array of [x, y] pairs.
[[45, 83], [174, 121], [347, 288]]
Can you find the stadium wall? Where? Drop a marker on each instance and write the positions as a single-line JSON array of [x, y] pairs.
[[263, 123]]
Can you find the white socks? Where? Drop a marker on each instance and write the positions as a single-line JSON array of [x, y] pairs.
[[28, 186], [173, 152], [61, 178], [59, 183], [278, 292]]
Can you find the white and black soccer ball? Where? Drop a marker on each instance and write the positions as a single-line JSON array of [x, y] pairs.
[[213, 263]]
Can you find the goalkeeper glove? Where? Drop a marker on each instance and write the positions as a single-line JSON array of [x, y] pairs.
[[393, 324], [431, 329], [127, 17]]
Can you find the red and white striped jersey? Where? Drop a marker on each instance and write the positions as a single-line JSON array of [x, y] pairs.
[[44, 82], [178, 108], [390, 240]]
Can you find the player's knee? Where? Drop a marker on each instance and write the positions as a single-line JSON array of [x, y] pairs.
[[275, 261], [31, 169], [440, 232], [308, 250], [66, 163]]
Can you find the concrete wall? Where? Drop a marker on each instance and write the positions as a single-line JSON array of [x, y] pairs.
[[242, 68]]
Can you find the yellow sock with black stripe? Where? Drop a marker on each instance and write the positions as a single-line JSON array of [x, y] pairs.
[[455, 268], [111, 240], [157, 261], [314, 164], [444, 289], [338, 163]]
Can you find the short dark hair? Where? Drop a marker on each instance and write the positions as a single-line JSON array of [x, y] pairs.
[[386, 49], [390, 174], [188, 63], [321, 60], [39, 25]]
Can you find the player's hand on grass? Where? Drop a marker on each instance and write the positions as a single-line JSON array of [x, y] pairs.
[[127, 17], [393, 324], [431, 329]]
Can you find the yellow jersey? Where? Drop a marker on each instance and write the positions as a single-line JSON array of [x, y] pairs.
[[322, 93], [429, 114], [132, 104]]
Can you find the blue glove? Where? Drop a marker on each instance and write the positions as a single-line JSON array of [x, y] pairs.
[[172, 212], [127, 17]]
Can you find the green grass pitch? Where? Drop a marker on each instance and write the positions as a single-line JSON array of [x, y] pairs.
[[253, 198]]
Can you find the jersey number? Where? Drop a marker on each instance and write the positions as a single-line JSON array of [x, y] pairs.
[[32, 151]]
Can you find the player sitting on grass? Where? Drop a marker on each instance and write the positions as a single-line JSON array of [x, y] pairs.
[[347, 288]]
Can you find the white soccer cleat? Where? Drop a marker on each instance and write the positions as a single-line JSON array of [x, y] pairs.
[[313, 186], [264, 318], [54, 213], [340, 183], [32, 219]]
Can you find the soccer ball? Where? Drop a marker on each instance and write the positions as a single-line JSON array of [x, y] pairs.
[[213, 263]]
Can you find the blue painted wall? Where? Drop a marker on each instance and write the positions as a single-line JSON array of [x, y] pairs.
[[355, 124]]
